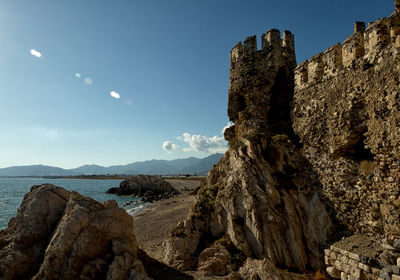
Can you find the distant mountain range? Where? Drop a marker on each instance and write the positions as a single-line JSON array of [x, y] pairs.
[[189, 165]]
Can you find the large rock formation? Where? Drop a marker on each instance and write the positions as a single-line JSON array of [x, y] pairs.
[[261, 200], [149, 187], [62, 235]]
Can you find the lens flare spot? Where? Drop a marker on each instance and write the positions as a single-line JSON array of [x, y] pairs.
[[114, 94], [36, 53], [88, 81], [78, 75]]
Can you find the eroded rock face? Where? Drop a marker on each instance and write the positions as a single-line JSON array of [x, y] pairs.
[[263, 195], [62, 235]]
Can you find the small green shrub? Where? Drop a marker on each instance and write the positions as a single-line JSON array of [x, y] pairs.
[[205, 202]]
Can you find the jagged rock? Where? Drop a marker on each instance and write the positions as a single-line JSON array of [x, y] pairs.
[[266, 270], [263, 194], [149, 187], [59, 234], [215, 261]]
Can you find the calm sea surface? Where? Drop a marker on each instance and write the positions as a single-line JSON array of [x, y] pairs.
[[12, 191]]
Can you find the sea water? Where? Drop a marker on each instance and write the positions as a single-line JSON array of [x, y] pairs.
[[12, 191]]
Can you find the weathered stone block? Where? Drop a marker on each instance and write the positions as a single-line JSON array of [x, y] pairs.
[[332, 59], [338, 265], [334, 255], [364, 267], [384, 273], [301, 75], [354, 256], [353, 263], [355, 272], [377, 36], [353, 48], [250, 45], [395, 277], [346, 268], [344, 259], [327, 252], [359, 26], [316, 68], [327, 260], [333, 271]]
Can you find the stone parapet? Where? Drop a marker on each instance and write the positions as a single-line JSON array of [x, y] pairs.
[[364, 44]]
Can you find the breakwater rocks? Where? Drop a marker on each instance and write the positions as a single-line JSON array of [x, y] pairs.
[[150, 188], [59, 234]]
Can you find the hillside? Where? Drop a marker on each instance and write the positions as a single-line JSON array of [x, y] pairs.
[[189, 165]]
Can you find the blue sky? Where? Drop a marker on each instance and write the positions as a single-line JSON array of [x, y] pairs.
[[168, 61]]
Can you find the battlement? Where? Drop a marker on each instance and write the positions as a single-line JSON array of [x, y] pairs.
[[365, 44], [270, 42]]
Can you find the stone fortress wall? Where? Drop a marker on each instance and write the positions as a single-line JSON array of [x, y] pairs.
[[346, 112], [365, 44]]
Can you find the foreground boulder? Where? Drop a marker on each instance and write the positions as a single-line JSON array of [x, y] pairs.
[[260, 206], [59, 234], [147, 186]]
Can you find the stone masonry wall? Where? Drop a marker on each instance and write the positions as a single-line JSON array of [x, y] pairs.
[[360, 257], [346, 111]]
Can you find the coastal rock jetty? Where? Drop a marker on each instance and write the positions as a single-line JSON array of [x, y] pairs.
[[150, 188], [59, 234]]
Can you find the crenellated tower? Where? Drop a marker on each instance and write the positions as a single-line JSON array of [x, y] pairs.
[[261, 85]]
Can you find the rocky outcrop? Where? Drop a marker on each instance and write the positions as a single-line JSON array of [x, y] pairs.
[[263, 196], [62, 235], [149, 187]]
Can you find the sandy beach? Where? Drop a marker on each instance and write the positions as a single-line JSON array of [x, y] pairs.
[[153, 225]]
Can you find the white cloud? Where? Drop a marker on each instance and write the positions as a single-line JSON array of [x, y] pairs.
[[169, 146], [114, 94], [228, 125], [203, 144], [36, 53], [88, 81]]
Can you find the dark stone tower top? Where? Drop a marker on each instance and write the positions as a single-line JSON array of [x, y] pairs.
[[261, 84]]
